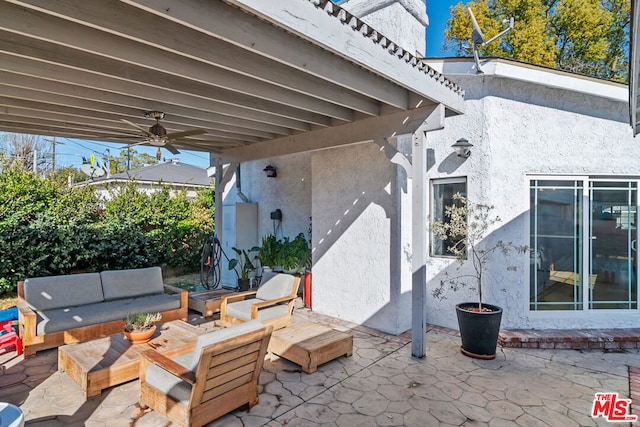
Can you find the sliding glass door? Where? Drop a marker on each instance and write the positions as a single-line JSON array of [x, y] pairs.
[[583, 244], [613, 219]]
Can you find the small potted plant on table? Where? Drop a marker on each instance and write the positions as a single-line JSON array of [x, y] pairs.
[[466, 227], [140, 327]]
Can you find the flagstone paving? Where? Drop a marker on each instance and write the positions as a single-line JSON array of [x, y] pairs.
[[379, 385]]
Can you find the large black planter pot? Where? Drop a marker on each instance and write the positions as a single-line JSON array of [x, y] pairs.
[[479, 330]]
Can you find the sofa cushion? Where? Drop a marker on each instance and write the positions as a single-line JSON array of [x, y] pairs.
[[131, 283], [242, 310], [48, 293], [64, 319], [277, 286]]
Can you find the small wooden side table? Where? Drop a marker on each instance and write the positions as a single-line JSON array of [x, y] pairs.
[[207, 302], [105, 362], [310, 344]]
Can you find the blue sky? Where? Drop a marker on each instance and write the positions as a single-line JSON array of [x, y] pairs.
[[69, 152], [438, 12]]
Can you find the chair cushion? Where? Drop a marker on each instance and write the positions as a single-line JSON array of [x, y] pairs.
[[131, 283], [221, 335], [242, 310], [277, 286], [48, 293], [169, 384]]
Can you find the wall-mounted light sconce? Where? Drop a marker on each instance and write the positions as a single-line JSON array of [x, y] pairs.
[[270, 171], [462, 148]]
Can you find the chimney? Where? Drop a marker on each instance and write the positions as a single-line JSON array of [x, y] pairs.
[[404, 22]]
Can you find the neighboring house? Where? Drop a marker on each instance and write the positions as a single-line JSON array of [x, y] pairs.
[[149, 179], [552, 151]]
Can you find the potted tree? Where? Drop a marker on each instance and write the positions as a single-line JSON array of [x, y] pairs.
[[466, 227], [244, 263]]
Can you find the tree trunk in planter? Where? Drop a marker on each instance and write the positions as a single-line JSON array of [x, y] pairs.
[[479, 330]]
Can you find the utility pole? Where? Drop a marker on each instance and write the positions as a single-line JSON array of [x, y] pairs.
[[53, 155]]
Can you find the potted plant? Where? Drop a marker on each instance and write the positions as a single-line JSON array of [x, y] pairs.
[[296, 254], [140, 327], [268, 253], [245, 265], [466, 227]]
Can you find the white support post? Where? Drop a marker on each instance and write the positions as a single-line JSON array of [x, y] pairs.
[[419, 233], [419, 246]]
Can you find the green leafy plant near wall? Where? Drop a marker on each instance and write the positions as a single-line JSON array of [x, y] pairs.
[[291, 255]]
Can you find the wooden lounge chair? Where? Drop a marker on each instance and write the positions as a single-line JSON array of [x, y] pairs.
[[220, 375], [272, 303]]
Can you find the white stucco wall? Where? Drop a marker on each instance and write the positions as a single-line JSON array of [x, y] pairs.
[[520, 127], [357, 238], [290, 192], [521, 124]]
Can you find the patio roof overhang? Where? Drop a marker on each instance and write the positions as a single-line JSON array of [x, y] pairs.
[[261, 78]]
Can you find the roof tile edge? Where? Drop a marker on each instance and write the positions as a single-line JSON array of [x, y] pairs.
[[377, 38]]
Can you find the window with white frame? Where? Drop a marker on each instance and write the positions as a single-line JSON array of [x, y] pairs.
[[442, 191]]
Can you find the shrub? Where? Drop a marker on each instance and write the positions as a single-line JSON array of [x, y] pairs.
[[48, 228]]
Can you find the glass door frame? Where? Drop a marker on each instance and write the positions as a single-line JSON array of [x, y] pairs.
[[586, 180]]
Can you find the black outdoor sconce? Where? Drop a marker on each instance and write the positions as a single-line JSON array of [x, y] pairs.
[[270, 171]]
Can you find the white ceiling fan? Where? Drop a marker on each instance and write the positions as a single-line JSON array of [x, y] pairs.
[[157, 135]]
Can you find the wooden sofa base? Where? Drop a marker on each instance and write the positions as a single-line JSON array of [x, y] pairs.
[[33, 343]]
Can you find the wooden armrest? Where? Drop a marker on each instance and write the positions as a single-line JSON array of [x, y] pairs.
[[24, 309], [173, 289], [262, 304], [169, 365], [236, 297]]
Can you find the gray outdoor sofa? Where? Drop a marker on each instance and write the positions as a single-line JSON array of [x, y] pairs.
[[58, 310]]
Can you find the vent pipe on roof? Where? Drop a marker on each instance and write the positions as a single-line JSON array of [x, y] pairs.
[[239, 185]]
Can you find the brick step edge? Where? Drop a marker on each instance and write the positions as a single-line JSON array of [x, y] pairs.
[[574, 339]]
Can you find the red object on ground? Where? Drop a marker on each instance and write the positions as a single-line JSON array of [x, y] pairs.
[[9, 338], [307, 289]]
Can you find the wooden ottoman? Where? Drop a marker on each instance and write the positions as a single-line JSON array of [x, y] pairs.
[[309, 344]]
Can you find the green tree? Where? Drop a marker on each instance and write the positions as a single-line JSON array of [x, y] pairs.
[[127, 159], [583, 36]]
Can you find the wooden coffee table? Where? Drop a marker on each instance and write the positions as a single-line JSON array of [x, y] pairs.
[[309, 344], [105, 362]]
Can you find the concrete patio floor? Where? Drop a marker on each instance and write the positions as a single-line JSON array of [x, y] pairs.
[[379, 385]]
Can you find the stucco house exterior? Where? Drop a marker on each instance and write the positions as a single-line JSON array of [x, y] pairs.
[[553, 152]]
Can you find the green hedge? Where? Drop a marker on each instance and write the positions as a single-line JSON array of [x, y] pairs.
[[48, 228]]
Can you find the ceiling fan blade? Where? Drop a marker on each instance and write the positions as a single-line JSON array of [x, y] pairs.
[[146, 132], [185, 133], [137, 143], [171, 148]]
